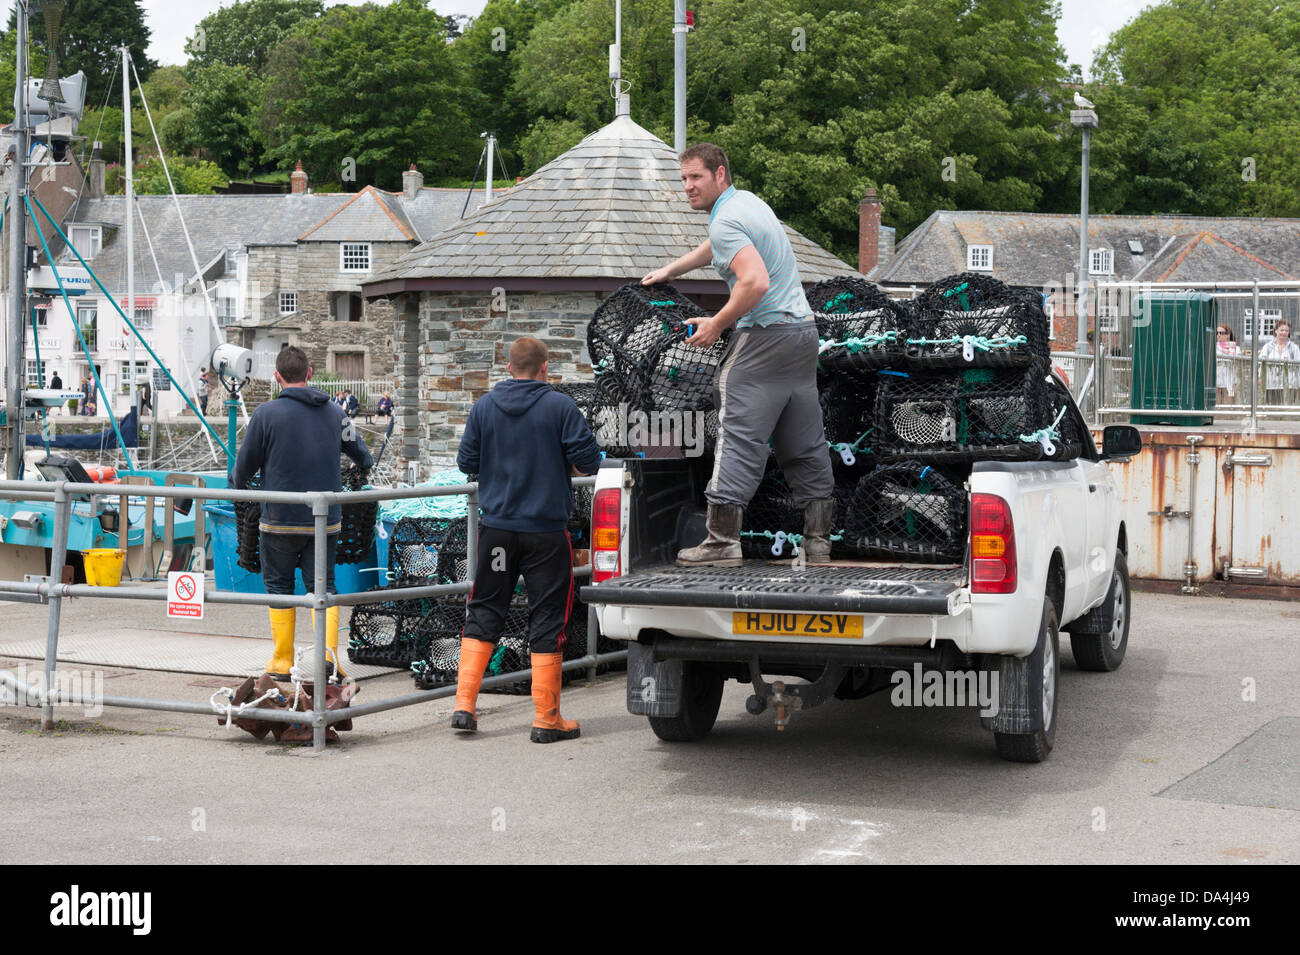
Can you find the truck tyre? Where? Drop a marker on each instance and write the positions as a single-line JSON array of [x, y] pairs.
[[1103, 652], [701, 698], [1045, 663]]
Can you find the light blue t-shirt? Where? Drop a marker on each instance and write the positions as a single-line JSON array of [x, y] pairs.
[[739, 219]]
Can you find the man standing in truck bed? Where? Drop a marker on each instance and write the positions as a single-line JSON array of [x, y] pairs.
[[767, 384]]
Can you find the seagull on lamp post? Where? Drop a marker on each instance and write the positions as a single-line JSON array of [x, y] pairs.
[[1083, 102]]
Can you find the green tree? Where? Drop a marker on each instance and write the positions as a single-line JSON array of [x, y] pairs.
[[366, 91], [190, 177], [223, 102], [1197, 105], [91, 35], [245, 33]]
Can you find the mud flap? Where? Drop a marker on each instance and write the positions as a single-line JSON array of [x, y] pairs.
[[1018, 693], [653, 689]]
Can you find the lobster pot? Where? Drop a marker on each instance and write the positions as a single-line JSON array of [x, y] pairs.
[[398, 633], [859, 328], [512, 654], [629, 325], [248, 515], [849, 421], [424, 550], [357, 528], [975, 321], [680, 377], [910, 511], [771, 516], [583, 394], [610, 405], [579, 525], [972, 415]]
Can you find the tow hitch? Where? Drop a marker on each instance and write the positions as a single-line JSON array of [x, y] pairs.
[[788, 698]]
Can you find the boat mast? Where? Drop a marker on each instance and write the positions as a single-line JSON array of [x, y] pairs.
[[15, 364], [130, 221]]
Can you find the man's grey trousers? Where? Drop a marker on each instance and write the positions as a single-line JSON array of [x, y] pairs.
[[767, 388]]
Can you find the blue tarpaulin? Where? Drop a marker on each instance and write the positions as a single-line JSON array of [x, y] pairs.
[[104, 441]]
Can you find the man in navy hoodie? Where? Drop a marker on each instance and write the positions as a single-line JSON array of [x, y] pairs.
[[295, 441], [524, 440]]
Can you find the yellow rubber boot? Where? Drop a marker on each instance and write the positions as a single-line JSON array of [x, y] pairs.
[[331, 638], [548, 725], [282, 627], [475, 655]]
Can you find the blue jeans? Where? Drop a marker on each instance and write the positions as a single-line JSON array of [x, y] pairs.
[[282, 554]]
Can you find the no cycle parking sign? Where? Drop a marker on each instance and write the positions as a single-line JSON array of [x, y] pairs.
[[184, 595]]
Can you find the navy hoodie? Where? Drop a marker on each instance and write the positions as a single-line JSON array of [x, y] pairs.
[[520, 439], [295, 441]]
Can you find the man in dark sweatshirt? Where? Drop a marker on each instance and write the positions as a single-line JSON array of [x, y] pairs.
[[524, 440], [295, 441]]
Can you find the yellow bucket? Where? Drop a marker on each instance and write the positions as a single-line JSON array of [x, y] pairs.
[[104, 566]]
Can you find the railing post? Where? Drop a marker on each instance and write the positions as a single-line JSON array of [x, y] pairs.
[[58, 557], [320, 512], [1256, 326]]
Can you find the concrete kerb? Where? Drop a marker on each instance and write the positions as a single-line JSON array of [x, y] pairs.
[[53, 593]]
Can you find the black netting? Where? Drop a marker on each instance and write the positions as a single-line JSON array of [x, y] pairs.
[[579, 525], [357, 529], [976, 321], [247, 536], [908, 510], [512, 654], [648, 374], [427, 550], [849, 421], [771, 517], [976, 414], [397, 633], [859, 328]]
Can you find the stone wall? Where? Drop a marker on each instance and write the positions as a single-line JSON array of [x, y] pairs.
[[460, 342]]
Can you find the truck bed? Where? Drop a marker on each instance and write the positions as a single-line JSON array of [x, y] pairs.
[[839, 586]]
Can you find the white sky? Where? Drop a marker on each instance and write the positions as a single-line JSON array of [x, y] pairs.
[[1084, 25]]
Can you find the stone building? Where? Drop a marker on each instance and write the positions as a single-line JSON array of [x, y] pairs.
[[538, 260]]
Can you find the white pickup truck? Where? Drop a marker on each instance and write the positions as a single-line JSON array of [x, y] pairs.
[[1046, 553]]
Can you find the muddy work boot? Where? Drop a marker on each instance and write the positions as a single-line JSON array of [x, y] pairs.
[[722, 547], [817, 529]]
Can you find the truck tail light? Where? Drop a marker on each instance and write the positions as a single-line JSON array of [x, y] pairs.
[[606, 510], [992, 546]]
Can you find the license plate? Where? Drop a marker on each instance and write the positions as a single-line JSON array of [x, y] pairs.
[[844, 625]]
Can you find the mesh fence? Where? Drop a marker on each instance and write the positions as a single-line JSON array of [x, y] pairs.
[[357, 529], [908, 510], [976, 414], [972, 320]]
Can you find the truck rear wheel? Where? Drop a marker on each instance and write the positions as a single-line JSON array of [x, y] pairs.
[[701, 698], [1104, 652], [1045, 664]]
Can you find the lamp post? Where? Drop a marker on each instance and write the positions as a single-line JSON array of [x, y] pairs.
[[1084, 118]]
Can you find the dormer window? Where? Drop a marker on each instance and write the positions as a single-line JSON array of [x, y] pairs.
[[87, 240], [1101, 261], [979, 258]]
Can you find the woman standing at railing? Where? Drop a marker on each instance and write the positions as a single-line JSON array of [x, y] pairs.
[[1277, 357], [1226, 379]]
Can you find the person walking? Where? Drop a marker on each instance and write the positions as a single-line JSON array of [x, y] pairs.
[[205, 385], [524, 440], [766, 387], [295, 440]]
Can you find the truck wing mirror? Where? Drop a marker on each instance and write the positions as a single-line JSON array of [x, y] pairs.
[[1120, 441]]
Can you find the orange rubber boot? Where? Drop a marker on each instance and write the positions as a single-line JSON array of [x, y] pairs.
[[474, 658], [548, 725]]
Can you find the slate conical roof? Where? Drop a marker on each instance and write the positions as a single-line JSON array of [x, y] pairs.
[[611, 208]]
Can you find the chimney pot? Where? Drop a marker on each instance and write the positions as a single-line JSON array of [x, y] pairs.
[[298, 180]]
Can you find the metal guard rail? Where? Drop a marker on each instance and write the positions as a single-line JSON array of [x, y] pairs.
[[63, 493]]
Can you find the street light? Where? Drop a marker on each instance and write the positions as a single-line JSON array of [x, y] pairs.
[[1084, 118]]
